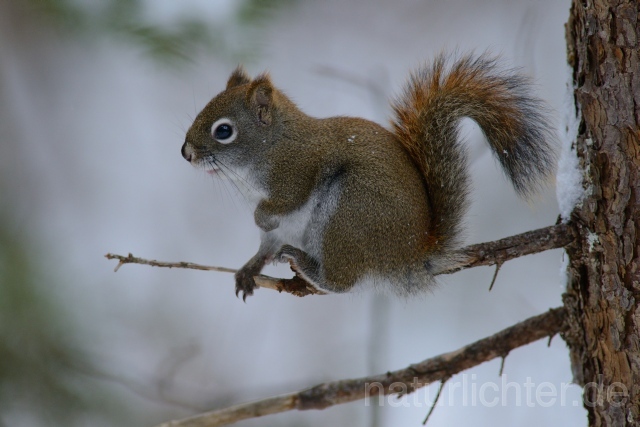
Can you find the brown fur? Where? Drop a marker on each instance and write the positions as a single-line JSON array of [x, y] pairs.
[[345, 200]]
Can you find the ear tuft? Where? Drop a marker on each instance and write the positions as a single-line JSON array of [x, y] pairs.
[[238, 77], [260, 98]]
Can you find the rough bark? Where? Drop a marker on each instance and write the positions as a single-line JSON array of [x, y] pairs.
[[603, 292]]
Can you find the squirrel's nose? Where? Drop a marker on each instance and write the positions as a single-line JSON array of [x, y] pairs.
[[187, 153]]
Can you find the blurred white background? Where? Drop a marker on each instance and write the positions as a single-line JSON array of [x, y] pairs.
[[91, 124]]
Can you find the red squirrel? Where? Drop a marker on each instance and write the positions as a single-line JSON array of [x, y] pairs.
[[346, 201]]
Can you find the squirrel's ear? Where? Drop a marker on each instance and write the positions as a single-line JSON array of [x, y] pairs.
[[238, 77], [260, 98]]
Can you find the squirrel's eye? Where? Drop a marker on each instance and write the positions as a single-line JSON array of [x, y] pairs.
[[223, 131]]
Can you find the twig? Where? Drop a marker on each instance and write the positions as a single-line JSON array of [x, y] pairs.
[[295, 285], [504, 358], [489, 253], [405, 380], [495, 275], [435, 402], [130, 259]]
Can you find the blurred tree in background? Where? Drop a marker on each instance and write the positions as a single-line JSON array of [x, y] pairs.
[[42, 380], [171, 42], [45, 378]]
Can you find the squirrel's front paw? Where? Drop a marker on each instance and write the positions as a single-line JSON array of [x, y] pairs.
[[245, 283]]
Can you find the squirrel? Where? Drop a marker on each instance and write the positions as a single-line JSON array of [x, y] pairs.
[[346, 201]]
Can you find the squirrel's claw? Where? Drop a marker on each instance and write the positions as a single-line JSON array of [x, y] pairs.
[[245, 293], [244, 284]]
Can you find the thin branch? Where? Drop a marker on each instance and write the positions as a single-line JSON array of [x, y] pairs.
[[130, 259], [504, 359], [435, 401], [500, 251], [489, 253], [495, 275], [406, 380], [295, 285]]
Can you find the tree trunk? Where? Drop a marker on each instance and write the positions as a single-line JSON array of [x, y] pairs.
[[603, 292]]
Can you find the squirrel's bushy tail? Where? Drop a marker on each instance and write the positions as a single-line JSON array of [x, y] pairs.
[[514, 122]]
